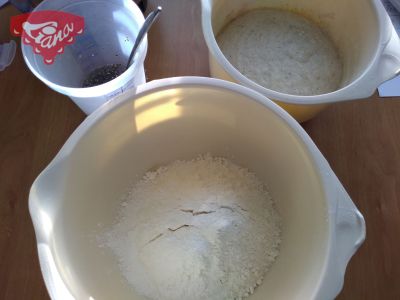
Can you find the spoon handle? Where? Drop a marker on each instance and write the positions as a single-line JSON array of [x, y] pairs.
[[142, 32]]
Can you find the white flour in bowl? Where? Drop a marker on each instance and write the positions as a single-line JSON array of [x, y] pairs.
[[282, 51], [199, 229]]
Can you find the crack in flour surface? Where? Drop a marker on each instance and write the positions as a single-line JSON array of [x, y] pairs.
[[199, 229]]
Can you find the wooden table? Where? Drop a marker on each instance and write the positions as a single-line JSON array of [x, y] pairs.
[[360, 139]]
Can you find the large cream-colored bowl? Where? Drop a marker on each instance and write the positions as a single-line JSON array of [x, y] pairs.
[[179, 118], [361, 29]]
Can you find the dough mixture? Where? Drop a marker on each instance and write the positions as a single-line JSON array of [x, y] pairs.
[[282, 51]]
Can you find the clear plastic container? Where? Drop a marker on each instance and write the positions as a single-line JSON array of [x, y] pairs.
[[110, 31], [7, 54]]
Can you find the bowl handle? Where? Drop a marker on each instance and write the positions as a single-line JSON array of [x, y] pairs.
[[350, 228], [389, 62], [43, 208], [385, 68], [348, 233]]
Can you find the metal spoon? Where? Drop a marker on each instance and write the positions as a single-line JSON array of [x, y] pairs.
[[142, 32]]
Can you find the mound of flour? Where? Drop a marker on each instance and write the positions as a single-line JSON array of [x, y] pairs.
[[282, 51], [199, 229]]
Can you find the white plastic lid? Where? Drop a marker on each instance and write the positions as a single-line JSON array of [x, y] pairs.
[[7, 54]]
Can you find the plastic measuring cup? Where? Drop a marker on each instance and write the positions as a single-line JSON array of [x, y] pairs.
[[111, 27]]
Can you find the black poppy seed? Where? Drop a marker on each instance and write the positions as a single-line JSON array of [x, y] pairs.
[[102, 75]]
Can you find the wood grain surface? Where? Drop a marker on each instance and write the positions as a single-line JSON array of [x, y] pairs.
[[360, 139]]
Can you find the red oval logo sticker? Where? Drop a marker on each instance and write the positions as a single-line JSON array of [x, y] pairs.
[[47, 32]]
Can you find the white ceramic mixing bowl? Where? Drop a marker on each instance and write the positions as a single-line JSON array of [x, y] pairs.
[[361, 29], [180, 118]]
